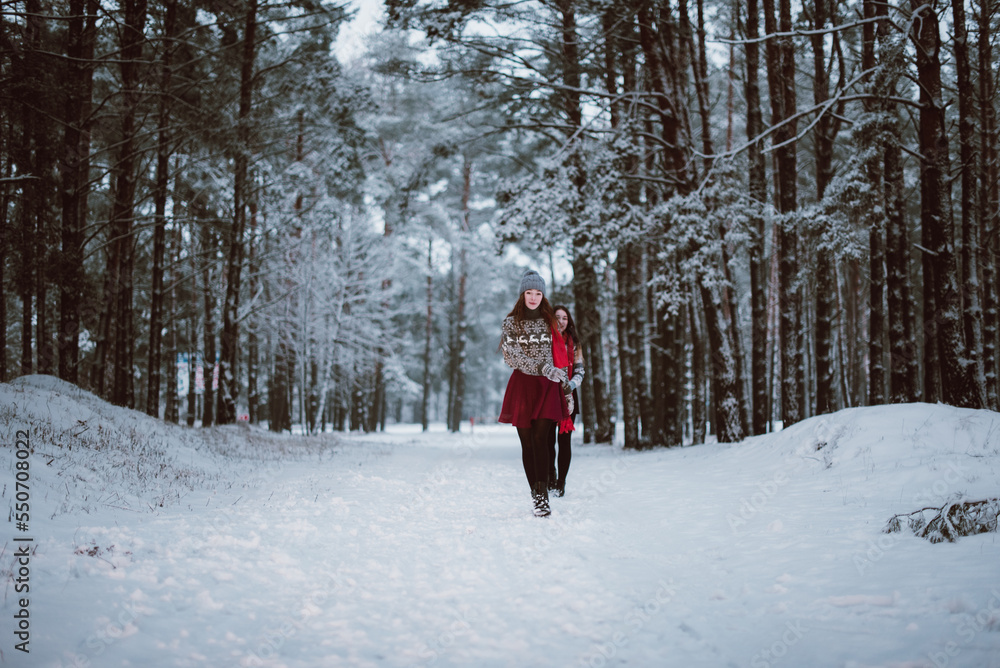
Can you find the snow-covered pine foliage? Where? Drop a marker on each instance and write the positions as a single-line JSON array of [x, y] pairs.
[[694, 228], [588, 196]]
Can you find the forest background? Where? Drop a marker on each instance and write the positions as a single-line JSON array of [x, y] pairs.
[[757, 212]]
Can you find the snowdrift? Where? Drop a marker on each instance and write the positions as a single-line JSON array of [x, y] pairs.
[[88, 453]]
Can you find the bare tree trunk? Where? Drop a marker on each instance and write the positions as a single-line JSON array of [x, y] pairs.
[[281, 386], [972, 312], [460, 323], [80, 38], [253, 340], [728, 416], [123, 208], [780, 53], [229, 338], [959, 381], [989, 231], [208, 244], [6, 168], [903, 360], [27, 74], [903, 355], [428, 332], [160, 216], [586, 293], [824, 133], [629, 352], [698, 379], [700, 69], [873, 216], [758, 196], [44, 352], [172, 411], [192, 337], [876, 307]]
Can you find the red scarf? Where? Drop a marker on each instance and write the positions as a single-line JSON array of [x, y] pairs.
[[562, 357]]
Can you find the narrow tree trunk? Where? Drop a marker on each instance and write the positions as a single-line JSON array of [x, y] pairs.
[[596, 411], [958, 378], [281, 387], [425, 403], [460, 322], [160, 193], [38, 191], [825, 289], [876, 306], [172, 411], [123, 209], [610, 25], [781, 81], [701, 88], [870, 137], [192, 338], [670, 127], [903, 353], [253, 340], [44, 351], [728, 417], [698, 403], [758, 195], [628, 356], [208, 245], [229, 338], [989, 231], [5, 170], [80, 38], [28, 76], [972, 312]]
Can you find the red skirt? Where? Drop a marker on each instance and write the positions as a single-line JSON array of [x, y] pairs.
[[529, 398]]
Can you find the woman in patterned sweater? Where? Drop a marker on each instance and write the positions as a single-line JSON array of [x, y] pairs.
[[535, 400]]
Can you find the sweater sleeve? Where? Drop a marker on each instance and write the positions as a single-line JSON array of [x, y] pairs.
[[513, 353], [578, 366]]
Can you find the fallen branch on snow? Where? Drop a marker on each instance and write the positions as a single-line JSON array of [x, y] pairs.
[[947, 523]]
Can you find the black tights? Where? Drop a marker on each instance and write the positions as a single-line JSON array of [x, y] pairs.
[[535, 452], [564, 453]]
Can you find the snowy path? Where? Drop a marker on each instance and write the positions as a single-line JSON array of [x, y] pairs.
[[408, 550]]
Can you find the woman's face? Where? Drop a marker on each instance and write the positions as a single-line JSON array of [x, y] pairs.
[[532, 298], [562, 320]]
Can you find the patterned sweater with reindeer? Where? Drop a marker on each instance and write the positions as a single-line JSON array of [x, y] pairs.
[[527, 345]]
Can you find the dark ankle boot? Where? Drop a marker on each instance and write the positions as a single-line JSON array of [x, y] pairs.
[[540, 495], [560, 488]]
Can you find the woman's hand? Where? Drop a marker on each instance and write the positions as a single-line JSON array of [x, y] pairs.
[[555, 374]]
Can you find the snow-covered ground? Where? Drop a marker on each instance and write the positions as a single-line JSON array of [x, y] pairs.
[[157, 545]]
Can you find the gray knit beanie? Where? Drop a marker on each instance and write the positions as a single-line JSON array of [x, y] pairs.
[[532, 280]]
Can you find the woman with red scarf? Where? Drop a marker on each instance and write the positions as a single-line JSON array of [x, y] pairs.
[[567, 328], [538, 396]]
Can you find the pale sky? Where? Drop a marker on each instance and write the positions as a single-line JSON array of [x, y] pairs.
[[350, 43]]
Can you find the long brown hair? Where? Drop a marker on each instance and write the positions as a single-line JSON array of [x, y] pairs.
[[570, 325], [521, 309]]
